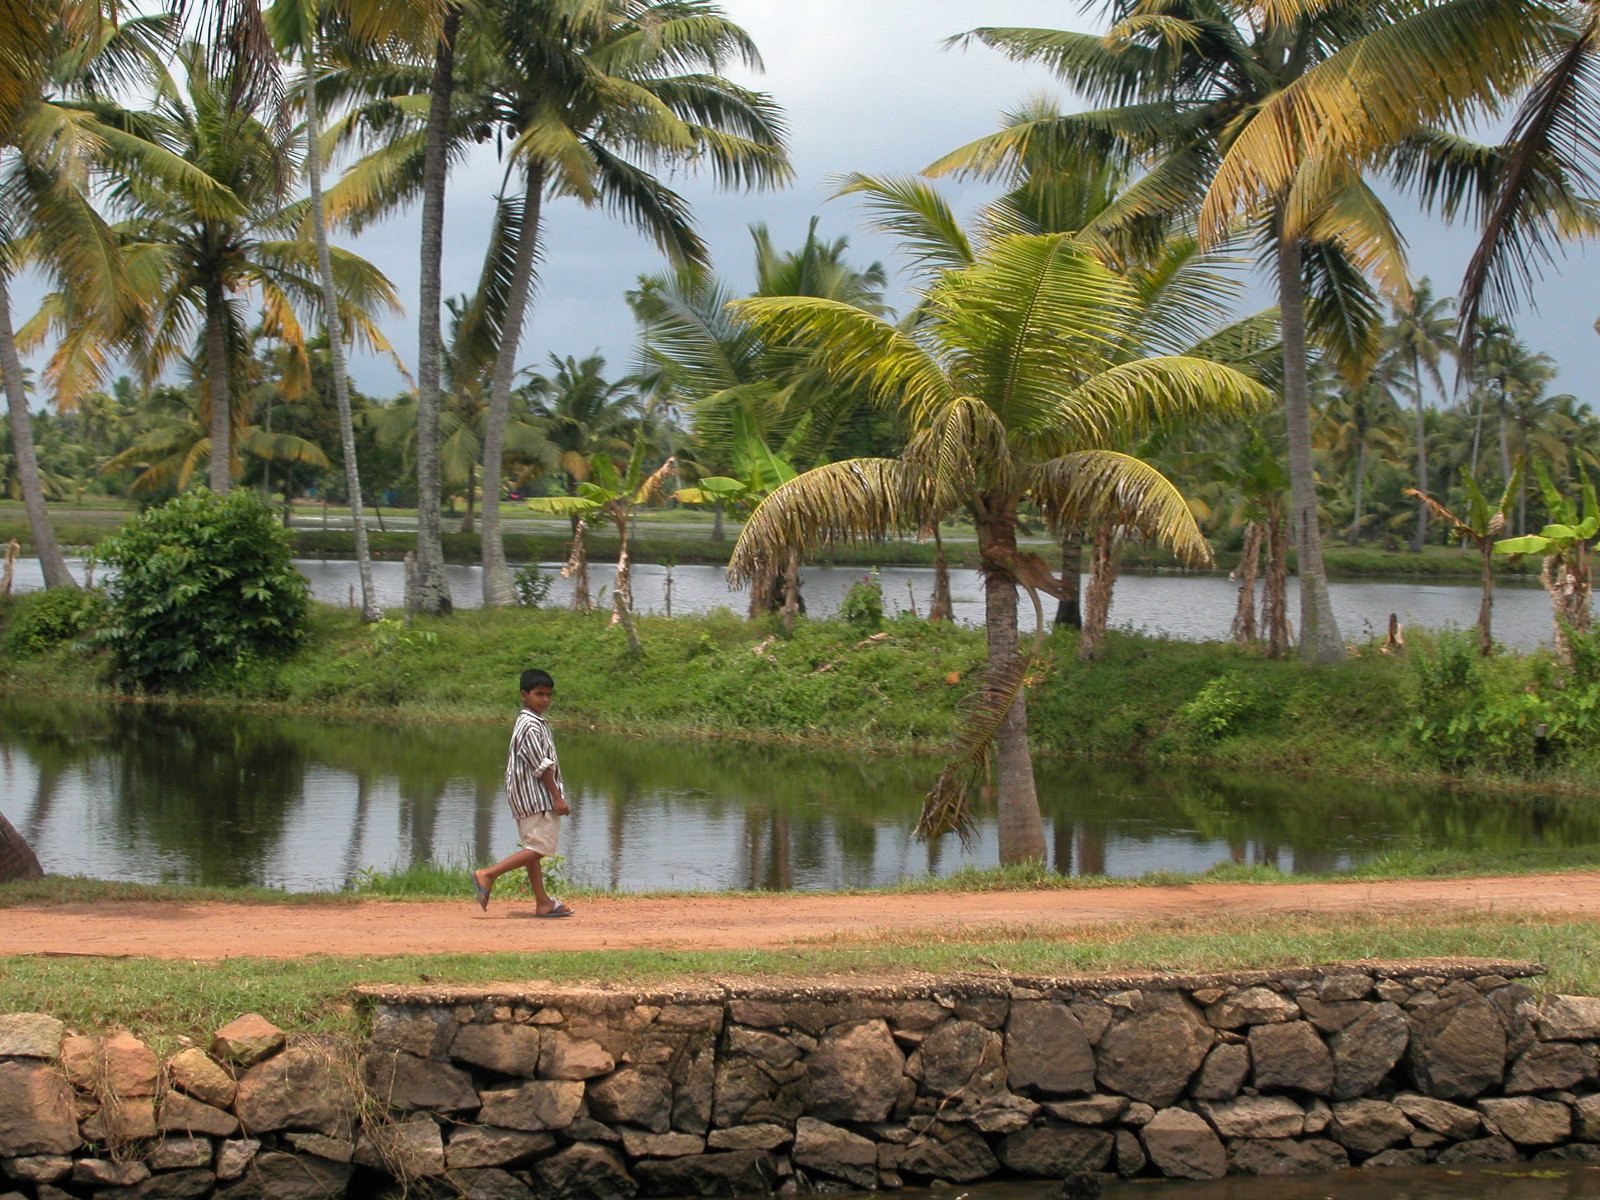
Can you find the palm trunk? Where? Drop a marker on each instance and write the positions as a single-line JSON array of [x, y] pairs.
[[370, 612], [433, 590], [1486, 605], [497, 591], [1361, 475], [1069, 608], [472, 496], [1319, 634], [1274, 600], [1021, 829], [1419, 539], [221, 475], [51, 563], [939, 607], [622, 590], [1102, 580], [1244, 612], [791, 590], [577, 569]]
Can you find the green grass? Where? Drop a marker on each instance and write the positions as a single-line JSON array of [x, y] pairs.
[[165, 1000]]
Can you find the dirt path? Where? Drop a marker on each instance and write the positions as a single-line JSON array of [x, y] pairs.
[[216, 931]]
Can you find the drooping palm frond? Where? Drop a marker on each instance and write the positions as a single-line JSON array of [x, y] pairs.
[[947, 808], [1092, 486], [857, 499], [853, 345], [1546, 191], [1342, 308]]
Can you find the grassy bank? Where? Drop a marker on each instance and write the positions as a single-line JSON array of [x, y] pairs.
[[1434, 714]]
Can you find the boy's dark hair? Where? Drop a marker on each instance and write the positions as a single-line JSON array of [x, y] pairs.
[[533, 677]]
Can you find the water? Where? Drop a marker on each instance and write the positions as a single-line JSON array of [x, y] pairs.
[[1188, 607], [1503, 1181], [152, 794]]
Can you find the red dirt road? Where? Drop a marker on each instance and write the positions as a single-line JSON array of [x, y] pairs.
[[209, 932]]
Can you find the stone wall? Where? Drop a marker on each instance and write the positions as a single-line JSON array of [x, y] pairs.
[[510, 1091]]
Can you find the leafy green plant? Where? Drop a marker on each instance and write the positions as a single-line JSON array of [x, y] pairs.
[[1216, 709], [52, 617], [201, 582], [532, 586], [863, 604]]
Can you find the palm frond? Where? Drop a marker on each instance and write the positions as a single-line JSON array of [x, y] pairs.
[[1441, 65], [947, 808], [930, 235], [1094, 486], [857, 499]]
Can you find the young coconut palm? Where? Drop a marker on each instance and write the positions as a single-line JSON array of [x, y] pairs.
[[1178, 79], [1011, 384]]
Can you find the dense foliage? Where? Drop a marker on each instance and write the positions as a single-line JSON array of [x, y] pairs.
[[204, 586]]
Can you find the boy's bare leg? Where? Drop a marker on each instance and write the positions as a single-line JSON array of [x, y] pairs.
[[541, 898], [485, 876]]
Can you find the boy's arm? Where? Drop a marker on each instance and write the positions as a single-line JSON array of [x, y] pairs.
[[552, 781]]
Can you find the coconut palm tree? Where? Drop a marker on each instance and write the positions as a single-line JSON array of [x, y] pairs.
[[1011, 388], [297, 29], [591, 99], [1448, 63], [167, 454], [47, 150], [752, 401], [1179, 78], [206, 265], [1420, 326]]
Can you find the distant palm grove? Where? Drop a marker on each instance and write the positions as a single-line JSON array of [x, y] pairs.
[[1076, 357]]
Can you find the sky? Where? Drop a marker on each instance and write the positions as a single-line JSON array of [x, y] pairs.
[[866, 85]]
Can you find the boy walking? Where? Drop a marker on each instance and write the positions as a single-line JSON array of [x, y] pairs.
[[533, 789]]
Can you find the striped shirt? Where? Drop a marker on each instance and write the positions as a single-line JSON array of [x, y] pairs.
[[533, 752]]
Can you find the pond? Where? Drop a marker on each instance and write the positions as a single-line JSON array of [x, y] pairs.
[[1188, 607], [1504, 1181], [152, 794]]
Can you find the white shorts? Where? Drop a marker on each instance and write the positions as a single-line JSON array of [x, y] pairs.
[[540, 832]]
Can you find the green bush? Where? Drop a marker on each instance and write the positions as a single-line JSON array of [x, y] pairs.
[[203, 584], [1217, 709], [862, 606], [52, 617]]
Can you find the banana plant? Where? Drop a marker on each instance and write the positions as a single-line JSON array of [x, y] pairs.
[[763, 471], [1481, 526], [608, 495], [1566, 543]]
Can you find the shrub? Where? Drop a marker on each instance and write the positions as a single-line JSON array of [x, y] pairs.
[[1216, 709], [863, 604], [532, 586], [203, 583], [52, 617]]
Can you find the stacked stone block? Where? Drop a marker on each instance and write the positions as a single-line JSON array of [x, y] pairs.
[[513, 1091]]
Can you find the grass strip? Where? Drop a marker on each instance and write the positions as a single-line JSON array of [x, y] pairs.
[[162, 1001]]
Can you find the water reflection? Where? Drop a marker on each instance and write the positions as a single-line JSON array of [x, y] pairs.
[[188, 795], [1504, 1181]]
